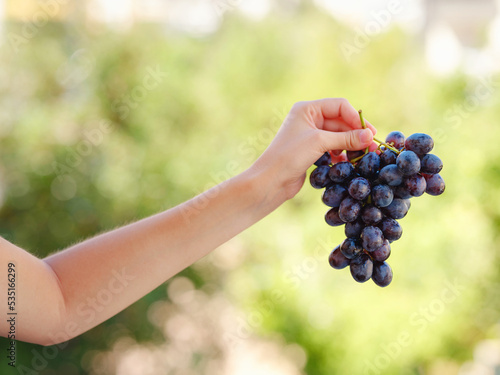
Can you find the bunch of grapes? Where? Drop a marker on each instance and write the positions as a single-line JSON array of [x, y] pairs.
[[369, 193]]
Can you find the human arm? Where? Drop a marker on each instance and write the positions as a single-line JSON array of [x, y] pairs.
[[76, 289]]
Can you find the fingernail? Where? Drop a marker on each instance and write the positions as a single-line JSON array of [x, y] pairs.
[[365, 136]]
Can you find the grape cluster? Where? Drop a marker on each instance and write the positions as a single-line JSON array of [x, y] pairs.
[[369, 193]]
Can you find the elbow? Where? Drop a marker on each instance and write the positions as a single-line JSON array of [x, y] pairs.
[[59, 335], [59, 329], [45, 339], [49, 339], [53, 332], [60, 345]]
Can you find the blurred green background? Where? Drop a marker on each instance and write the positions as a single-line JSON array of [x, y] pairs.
[[103, 125]]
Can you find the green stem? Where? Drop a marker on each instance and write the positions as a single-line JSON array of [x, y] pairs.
[[388, 146], [353, 161], [363, 125]]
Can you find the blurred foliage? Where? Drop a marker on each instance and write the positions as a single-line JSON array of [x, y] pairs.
[[218, 100]]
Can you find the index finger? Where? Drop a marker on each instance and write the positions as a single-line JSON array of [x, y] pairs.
[[335, 108], [339, 125]]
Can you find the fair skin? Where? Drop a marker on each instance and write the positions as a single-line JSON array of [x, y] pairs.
[[72, 291]]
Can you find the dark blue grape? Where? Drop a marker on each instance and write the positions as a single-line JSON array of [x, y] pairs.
[[349, 209], [401, 192], [396, 139], [325, 159], [337, 260], [319, 177], [391, 229], [419, 143], [408, 163], [382, 195], [415, 185], [372, 238], [351, 247], [354, 154], [341, 172], [354, 228], [391, 175], [371, 215], [359, 188], [361, 268], [382, 253], [332, 217], [381, 274], [431, 164], [408, 203], [369, 165], [334, 194], [435, 184], [387, 157], [397, 209]]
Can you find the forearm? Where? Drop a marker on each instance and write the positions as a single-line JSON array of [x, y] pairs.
[[102, 276]]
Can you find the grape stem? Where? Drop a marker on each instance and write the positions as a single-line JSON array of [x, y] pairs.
[[363, 125], [388, 146], [353, 161]]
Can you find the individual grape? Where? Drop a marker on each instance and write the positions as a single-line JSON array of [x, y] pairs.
[[359, 188], [408, 163], [349, 210], [371, 215], [387, 157], [408, 203], [361, 268], [354, 154], [341, 172], [382, 195], [391, 175], [334, 194], [369, 165], [325, 159], [332, 217], [419, 143], [397, 209], [351, 247], [337, 260], [354, 228], [415, 185], [401, 192], [372, 238], [431, 164], [381, 274], [391, 229], [435, 184], [319, 177], [397, 139], [382, 253]]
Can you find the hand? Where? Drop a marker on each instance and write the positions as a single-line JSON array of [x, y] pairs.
[[310, 129]]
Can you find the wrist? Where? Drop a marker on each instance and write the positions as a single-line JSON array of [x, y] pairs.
[[263, 188]]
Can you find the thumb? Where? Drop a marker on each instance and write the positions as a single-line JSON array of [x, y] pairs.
[[350, 140]]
